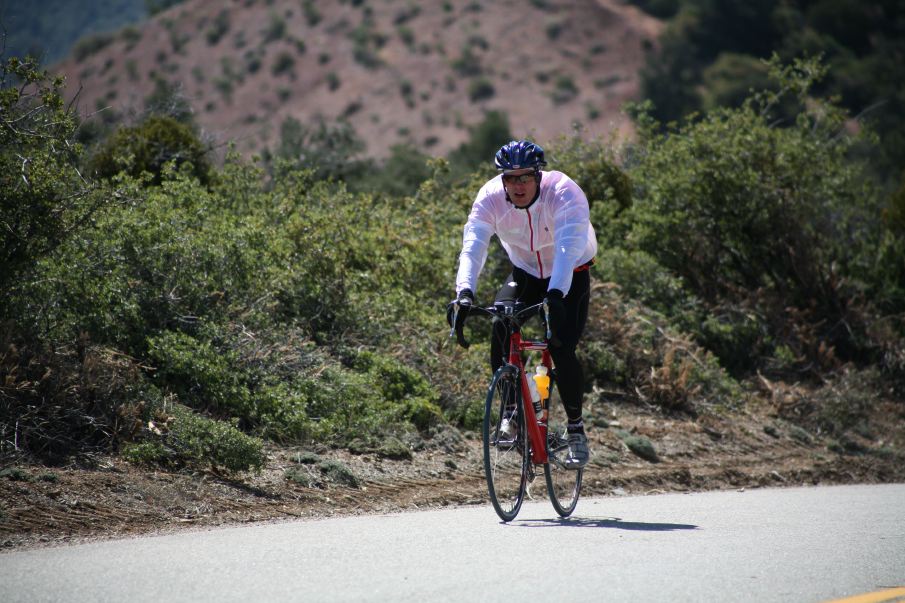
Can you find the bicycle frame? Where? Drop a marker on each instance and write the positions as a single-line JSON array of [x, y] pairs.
[[537, 430]]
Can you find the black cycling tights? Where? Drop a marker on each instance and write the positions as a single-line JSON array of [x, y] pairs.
[[521, 286]]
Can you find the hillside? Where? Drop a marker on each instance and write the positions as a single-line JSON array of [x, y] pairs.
[[396, 71], [49, 29]]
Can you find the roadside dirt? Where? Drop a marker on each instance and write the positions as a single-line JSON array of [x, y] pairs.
[[42, 506]]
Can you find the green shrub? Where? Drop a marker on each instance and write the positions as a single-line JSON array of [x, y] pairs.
[[401, 173], [365, 45], [91, 44], [480, 89], [276, 28], [299, 476], [218, 28], [148, 147], [44, 199], [732, 205], [158, 6], [642, 278], [729, 80], [641, 447], [15, 474], [393, 448], [468, 64], [131, 35], [202, 441], [151, 454], [204, 377], [800, 435], [48, 476], [312, 15], [330, 150], [564, 90], [307, 458], [338, 472], [284, 63], [333, 81]]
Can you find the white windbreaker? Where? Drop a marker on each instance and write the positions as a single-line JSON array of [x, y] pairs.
[[548, 239]]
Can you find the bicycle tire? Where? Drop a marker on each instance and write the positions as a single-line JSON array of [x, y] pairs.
[[563, 485], [506, 460]]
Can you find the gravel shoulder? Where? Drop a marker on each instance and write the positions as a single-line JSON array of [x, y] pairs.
[[43, 506]]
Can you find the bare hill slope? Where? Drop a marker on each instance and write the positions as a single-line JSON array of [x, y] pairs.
[[397, 70]]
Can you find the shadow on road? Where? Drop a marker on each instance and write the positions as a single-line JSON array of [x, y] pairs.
[[603, 522]]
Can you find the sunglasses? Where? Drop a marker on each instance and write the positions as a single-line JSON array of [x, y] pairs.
[[520, 179]]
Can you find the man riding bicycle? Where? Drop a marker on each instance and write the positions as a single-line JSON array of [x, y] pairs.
[[542, 220]]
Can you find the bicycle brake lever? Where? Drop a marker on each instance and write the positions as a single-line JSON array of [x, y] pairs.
[[460, 336], [452, 327]]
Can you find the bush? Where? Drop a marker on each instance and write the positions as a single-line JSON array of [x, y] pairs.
[[339, 473], [15, 474], [65, 405], [480, 89], [283, 64], [148, 147], [593, 165], [44, 199], [218, 29], [332, 151], [636, 349], [641, 447], [90, 45], [299, 476], [196, 440], [733, 205], [564, 90], [204, 377]]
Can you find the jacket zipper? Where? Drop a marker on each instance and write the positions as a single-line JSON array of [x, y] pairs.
[[540, 265]]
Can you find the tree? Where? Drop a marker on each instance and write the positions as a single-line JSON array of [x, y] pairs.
[[149, 146], [43, 196], [332, 151]]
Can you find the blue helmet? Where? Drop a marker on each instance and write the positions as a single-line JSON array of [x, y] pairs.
[[518, 155]]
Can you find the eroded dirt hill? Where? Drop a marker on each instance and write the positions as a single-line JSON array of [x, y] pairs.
[[397, 71]]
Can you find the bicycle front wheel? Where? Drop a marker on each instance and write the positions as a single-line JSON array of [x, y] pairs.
[[563, 485], [505, 444]]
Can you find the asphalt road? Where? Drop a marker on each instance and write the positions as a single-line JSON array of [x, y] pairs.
[[797, 544]]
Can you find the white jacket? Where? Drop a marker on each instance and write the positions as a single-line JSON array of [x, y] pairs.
[[548, 239]]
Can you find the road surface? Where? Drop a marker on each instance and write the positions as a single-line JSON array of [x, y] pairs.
[[796, 544]]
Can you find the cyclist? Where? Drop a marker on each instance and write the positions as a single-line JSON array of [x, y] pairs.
[[542, 220]]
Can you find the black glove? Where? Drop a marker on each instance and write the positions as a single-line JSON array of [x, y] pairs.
[[556, 309], [465, 300]]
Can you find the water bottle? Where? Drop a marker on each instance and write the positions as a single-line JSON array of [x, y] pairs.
[[535, 395], [541, 384]]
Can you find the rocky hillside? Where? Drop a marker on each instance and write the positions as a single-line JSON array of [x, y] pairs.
[[396, 70]]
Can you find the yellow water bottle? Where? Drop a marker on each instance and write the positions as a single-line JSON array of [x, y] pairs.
[[542, 384], [542, 379]]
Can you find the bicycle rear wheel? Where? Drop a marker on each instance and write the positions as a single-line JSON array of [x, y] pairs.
[[505, 455], [563, 485]]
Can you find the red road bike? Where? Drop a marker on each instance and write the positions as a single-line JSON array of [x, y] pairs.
[[539, 436]]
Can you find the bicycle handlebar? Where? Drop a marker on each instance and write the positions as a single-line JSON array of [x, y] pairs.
[[511, 313]]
